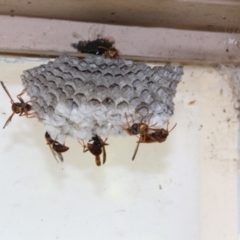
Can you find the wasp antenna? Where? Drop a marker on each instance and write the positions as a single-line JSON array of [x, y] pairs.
[[138, 112], [150, 116], [103, 47], [127, 120], [132, 118], [5, 89], [173, 127]]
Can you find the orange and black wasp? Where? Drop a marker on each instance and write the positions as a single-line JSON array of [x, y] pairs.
[[96, 148], [156, 135], [146, 133], [56, 148], [22, 108], [141, 129]]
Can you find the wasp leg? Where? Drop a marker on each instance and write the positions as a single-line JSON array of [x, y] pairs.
[[136, 149], [9, 120]]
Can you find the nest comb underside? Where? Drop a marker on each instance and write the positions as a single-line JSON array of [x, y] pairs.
[[79, 98]]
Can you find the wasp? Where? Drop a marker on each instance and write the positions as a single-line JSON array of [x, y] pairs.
[[100, 46], [157, 135], [110, 52], [146, 133], [56, 148], [22, 108], [96, 148], [92, 47], [141, 129]]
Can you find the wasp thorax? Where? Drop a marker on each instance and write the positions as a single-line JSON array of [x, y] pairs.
[[112, 53], [96, 141], [143, 128], [17, 107]]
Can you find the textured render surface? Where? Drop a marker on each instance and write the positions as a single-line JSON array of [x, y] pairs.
[[81, 98], [184, 188], [45, 37], [185, 14], [232, 74]]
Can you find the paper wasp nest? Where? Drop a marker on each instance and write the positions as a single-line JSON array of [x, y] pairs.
[[79, 98]]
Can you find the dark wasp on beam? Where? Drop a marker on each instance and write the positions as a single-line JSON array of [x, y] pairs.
[[96, 148], [56, 148]]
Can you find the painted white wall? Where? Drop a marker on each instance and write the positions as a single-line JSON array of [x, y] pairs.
[[184, 188]]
